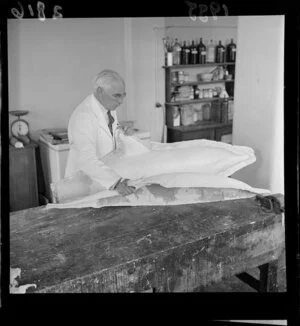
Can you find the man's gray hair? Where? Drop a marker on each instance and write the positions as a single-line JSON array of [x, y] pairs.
[[106, 78]]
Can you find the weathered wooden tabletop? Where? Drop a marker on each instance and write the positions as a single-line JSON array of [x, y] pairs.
[[133, 249]]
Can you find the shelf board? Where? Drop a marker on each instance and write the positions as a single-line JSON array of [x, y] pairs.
[[194, 83], [200, 126], [198, 101], [199, 65]]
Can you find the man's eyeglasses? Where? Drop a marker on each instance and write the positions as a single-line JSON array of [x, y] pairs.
[[117, 97]]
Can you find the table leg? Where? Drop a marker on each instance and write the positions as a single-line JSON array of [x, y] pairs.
[[268, 277], [267, 281]]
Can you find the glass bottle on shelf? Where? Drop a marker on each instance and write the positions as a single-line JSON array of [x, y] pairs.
[[184, 59], [196, 92], [188, 52], [194, 54], [221, 73], [210, 52], [202, 52], [231, 52], [224, 111], [220, 53], [176, 53]]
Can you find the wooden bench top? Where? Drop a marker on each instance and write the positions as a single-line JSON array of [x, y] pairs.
[[135, 249]]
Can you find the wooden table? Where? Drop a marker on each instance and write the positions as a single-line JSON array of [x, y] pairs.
[[141, 249]]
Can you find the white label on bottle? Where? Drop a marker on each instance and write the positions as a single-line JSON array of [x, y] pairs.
[[187, 50], [233, 50], [203, 52], [222, 50], [194, 52]]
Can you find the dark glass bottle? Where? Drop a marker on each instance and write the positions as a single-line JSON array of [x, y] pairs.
[[184, 59], [220, 53], [231, 52], [193, 54], [201, 52], [188, 53]]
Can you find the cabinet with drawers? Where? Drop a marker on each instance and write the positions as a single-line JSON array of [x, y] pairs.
[[23, 185]]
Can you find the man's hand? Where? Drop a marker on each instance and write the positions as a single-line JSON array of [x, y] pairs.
[[128, 131], [123, 188]]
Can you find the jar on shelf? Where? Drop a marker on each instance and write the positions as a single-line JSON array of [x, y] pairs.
[[198, 113], [191, 92], [218, 90], [174, 76], [186, 77], [176, 116], [187, 115], [195, 115], [206, 111], [180, 77], [200, 93]]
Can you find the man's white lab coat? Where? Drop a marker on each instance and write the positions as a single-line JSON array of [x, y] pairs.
[[90, 139]]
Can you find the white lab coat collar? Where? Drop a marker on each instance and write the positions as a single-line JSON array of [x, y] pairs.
[[98, 108], [101, 113]]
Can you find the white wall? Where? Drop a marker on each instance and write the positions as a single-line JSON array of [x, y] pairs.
[[258, 117], [51, 64]]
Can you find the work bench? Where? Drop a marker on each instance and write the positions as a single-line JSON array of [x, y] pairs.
[[148, 248]]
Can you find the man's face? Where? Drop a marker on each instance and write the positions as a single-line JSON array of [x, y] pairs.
[[112, 96]]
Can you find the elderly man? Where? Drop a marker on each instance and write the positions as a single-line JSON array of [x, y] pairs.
[[91, 131]]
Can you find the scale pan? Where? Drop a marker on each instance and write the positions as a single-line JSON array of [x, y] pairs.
[[18, 113]]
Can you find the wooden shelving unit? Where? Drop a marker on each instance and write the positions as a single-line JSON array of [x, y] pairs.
[[203, 65], [198, 126], [214, 99], [213, 129], [195, 83]]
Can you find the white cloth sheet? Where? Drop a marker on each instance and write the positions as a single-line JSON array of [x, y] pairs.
[[164, 174]]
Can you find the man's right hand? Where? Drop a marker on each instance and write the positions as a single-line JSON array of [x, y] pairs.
[[123, 189]]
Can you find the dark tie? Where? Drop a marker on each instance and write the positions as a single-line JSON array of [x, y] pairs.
[[110, 121]]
